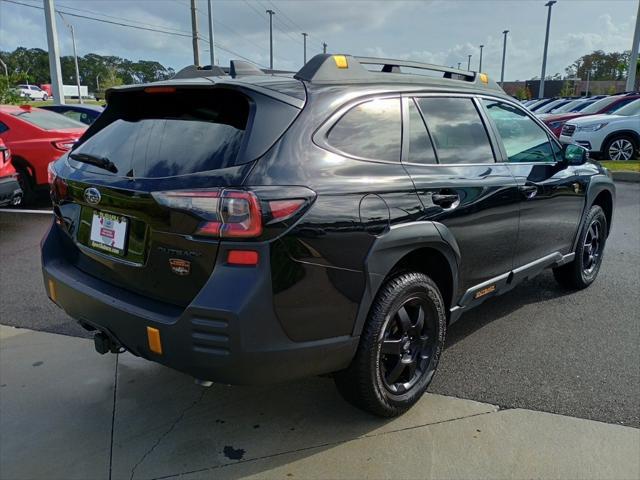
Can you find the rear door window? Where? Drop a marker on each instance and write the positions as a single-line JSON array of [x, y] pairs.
[[370, 130], [178, 134], [457, 130], [420, 146]]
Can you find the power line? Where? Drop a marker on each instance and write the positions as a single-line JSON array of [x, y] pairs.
[[294, 24], [137, 27]]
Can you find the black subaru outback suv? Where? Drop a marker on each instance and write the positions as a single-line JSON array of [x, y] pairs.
[[252, 228]]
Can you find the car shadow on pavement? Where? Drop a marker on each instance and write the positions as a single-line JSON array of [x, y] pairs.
[[534, 291], [166, 425]]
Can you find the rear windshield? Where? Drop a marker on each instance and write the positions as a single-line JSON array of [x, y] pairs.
[[48, 120], [164, 135]]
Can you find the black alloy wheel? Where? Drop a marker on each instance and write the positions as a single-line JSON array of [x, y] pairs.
[[399, 348], [407, 344]]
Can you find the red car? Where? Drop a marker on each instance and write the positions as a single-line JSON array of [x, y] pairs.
[[605, 105], [10, 191], [36, 138]]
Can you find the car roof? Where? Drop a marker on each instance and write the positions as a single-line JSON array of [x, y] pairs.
[[79, 108], [329, 69]]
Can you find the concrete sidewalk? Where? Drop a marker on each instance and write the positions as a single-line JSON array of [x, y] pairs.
[[67, 412]]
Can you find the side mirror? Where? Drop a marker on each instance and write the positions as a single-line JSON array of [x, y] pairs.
[[575, 154]]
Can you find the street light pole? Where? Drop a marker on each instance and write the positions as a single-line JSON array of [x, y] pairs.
[[549, 4], [480, 65], [504, 56], [324, 47], [304, 35], [633, 58], [271, 14], [588, 75], [212, 47], [459, 65], [468, 62]]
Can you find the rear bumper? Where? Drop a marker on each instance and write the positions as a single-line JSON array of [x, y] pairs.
[[228, 334], [10, 191]]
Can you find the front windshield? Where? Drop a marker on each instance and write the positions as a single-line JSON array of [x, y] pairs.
[[632, 108], [566, 107], [600, 104], [582, 106]]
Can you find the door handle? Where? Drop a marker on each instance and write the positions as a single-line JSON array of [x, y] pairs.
[[529, 191], [446, 200]]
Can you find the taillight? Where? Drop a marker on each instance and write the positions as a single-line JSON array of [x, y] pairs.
[[226, 213], [284, 209], [5, 155], [51, 174], [57, 186], [64, 145]]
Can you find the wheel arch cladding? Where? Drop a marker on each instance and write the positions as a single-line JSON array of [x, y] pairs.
[[417, 246], [605, 200]]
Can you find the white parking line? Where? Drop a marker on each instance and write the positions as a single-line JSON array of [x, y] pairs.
[[23, 210]]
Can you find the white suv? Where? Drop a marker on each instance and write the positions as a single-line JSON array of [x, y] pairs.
[[614, 137], [32, 92]]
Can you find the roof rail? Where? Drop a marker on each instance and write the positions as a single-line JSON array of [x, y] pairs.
[[327, 68]]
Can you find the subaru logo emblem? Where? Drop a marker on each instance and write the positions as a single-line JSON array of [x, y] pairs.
[[92, 195]]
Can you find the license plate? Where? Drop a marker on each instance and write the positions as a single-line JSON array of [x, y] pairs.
[[109, 232]]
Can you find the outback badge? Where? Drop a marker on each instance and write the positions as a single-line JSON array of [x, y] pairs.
[[179, 266]]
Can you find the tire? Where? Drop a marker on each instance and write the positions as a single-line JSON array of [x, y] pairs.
[[584, 268], [398, 353], [45, 97], [620, 147], [27, 185]]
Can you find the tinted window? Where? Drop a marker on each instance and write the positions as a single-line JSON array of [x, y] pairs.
[[3, 127], [370, 130], [420, 147], [178, 134], [600, 105], [523, 139], [47, 120], [457, 130]]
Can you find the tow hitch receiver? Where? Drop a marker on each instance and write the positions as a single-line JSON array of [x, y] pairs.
[[104, 344]]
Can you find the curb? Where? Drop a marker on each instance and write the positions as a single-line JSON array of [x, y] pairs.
[[626, 176]]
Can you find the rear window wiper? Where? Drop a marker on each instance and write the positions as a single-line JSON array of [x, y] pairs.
[[101, 162]]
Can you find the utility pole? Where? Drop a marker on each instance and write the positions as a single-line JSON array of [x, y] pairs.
[[271, 14], [54, 52], [194, 34], [549, 4], [97, 82], [212, 47], [75, 56], [468, 62], [480, 65], [504, 55], [459, 65], [324, 47], [633, 58], [304, 36]]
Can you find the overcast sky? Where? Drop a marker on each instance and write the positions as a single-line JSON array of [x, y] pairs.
[[436, 31]]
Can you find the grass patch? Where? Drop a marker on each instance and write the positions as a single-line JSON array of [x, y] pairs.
[[622, 166]]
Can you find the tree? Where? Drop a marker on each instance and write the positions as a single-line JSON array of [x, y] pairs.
[[602, 66], [32, 65]]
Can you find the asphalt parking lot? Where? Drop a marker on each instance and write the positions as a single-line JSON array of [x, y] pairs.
[[538, 347]]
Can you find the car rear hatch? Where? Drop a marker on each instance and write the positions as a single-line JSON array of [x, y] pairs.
[[141, 194]]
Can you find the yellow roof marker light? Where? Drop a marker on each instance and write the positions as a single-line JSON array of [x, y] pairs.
[[484, 78], [153, 337], [341, 61]]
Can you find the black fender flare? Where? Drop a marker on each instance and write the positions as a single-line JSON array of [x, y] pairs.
[[597, 185], [389, 248]]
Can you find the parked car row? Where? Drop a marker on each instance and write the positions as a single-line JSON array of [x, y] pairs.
[[608, 126]]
